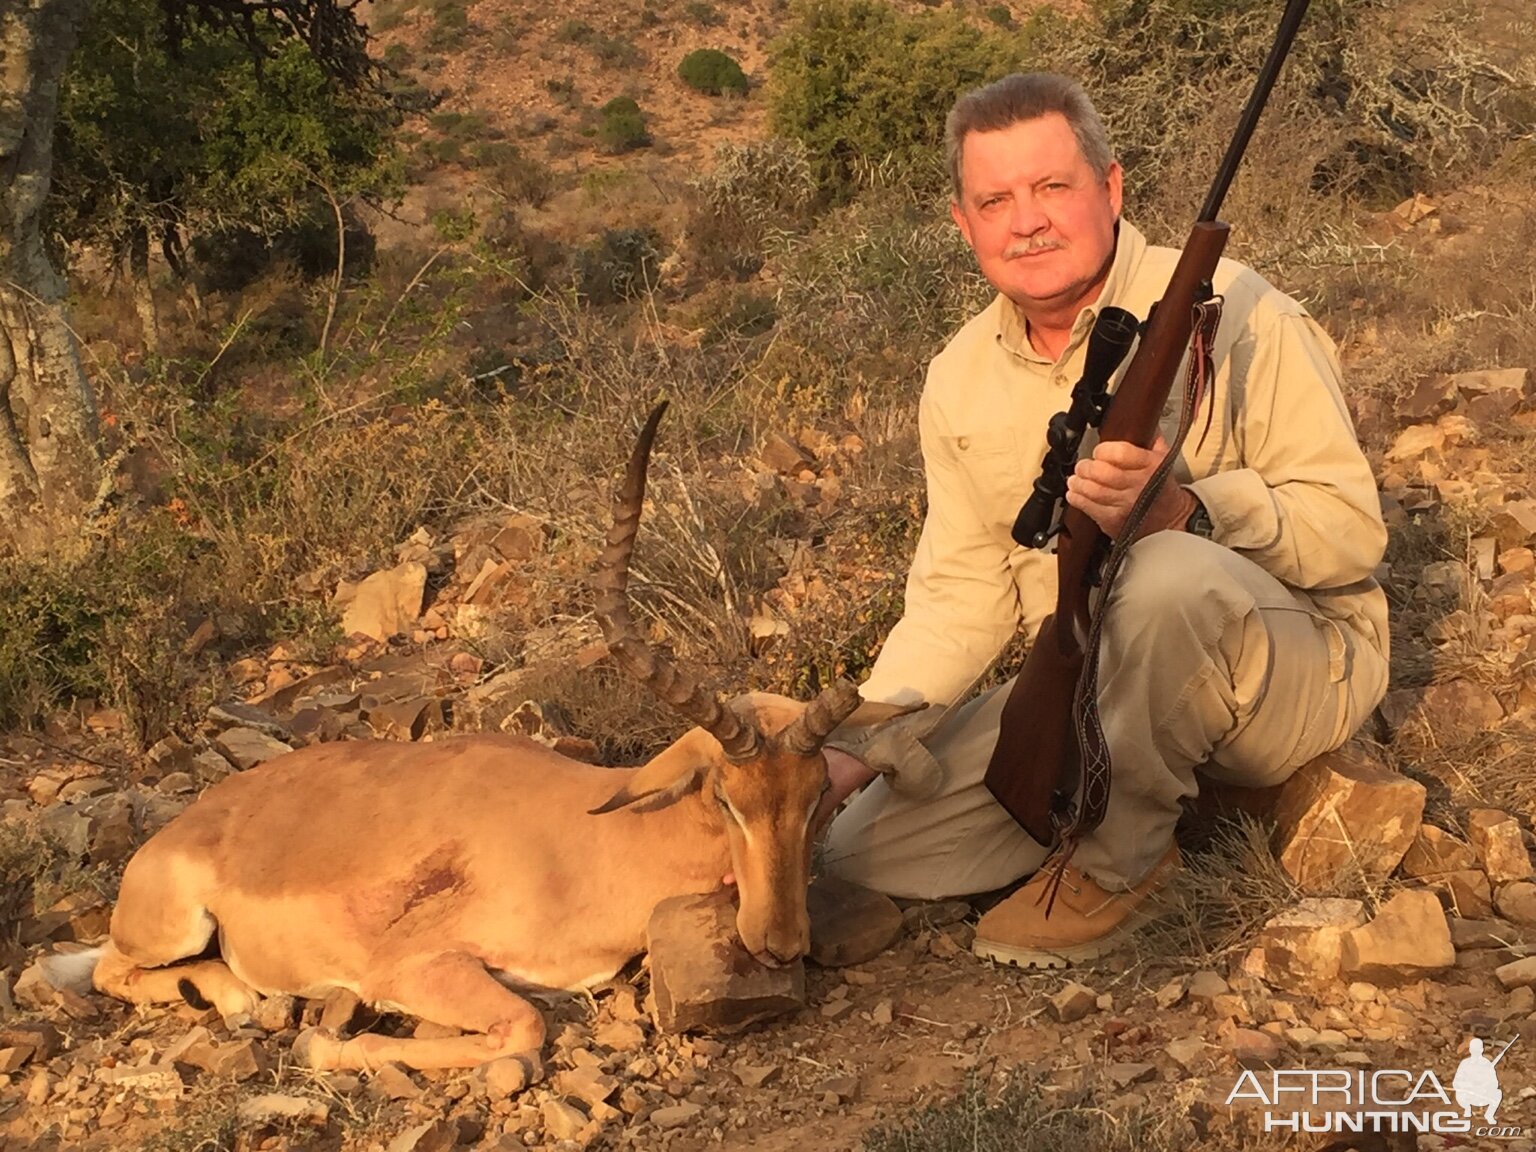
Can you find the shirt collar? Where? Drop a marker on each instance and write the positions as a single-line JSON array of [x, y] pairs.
[[1130, 245]]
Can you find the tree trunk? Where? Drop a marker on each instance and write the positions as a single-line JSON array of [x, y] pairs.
[[143, 291], [50, 454]]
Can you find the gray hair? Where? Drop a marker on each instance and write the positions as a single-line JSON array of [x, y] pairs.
[[1027, 96]]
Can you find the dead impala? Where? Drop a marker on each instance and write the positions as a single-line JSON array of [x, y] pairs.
[[434, 879]]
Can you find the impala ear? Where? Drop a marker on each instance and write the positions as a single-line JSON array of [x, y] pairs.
[[675, 772]]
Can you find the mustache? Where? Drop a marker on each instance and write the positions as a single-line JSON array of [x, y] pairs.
[[1024, 247]]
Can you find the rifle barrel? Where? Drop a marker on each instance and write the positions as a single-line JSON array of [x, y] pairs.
[[1289, 22]]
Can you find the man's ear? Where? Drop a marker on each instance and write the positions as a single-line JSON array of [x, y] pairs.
[[957, 214], [673, 773]]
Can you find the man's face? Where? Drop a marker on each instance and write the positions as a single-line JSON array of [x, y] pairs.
[[1041, 224]]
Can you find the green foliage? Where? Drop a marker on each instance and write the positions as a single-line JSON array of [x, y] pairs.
[[703, 14], [622, 126], [861, 84], [153, 143], [1000, 15], [111, 626], [575, 32], [450, 25], [711, 71]]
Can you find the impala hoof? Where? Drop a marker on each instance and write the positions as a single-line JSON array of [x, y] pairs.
[[318, 1048], [510, 1075]]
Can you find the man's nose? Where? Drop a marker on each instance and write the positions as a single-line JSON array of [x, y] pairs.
[[1028, 219]]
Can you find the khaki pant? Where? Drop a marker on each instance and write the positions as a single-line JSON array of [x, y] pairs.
[[1207, 661]]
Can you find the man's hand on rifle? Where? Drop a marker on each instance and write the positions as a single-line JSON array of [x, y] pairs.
[[1105, 486]]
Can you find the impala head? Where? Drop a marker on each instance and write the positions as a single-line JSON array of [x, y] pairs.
[[757, 758]]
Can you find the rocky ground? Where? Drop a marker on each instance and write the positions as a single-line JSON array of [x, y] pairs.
[[1380, 918]]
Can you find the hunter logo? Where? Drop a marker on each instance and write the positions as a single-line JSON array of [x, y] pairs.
[[1323, 1100]]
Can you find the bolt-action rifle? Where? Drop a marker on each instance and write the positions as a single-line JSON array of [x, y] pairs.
[[1050, 743]]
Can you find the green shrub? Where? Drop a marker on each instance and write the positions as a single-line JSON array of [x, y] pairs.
[[575, 32], [703, 14], [711, 71], [859, 84], [623, 125]]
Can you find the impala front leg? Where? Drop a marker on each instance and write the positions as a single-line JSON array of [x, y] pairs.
[[449, 988]]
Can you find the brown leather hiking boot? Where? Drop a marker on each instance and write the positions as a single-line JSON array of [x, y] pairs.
[[1085, 922]]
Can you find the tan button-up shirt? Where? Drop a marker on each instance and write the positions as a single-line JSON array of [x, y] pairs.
[[1280, 472]]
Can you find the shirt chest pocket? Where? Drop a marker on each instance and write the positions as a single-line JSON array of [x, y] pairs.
[[998, 471]]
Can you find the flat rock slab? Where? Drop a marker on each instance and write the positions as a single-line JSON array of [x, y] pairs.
[[1408, 940], [703, 980], [1344, 810], [849, 923], [246, 747]]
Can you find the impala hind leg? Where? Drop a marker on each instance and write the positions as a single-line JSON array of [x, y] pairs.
[[451, 988], [209, 981]]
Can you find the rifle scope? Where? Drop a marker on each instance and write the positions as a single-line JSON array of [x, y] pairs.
[[1111, 338]]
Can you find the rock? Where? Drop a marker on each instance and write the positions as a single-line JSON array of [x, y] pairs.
[[1516, 902], [1415, 441], [386, 603], [393, 1082], [1207, 985], [703, 979], [1303, 946], [235, 714], [588, 1084], [1516, 562], [1345, 810], [1517, 973], [1458, 709], [850, 924], [1467, 935], [433, 1136], [246, 747], [1465, 893], [1124, 1073], [276, 1109], [241, 1060], [1435, 851], [1514, 524], [756, 1075], [1496, 839], [157, 1081], [619, 1035], [33, 989], [1251, 1046], [783, 455], [407, 720], [1408, 940], [38, 1036], [274, 1013], [675, 1115], [1074, 1002], [561, 1120], [12, 1059], [1171, 993], [1186, 1050], [1491, 382]]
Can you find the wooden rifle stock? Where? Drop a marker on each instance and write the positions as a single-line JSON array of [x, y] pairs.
[[1037, 754], [1037, 763]]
